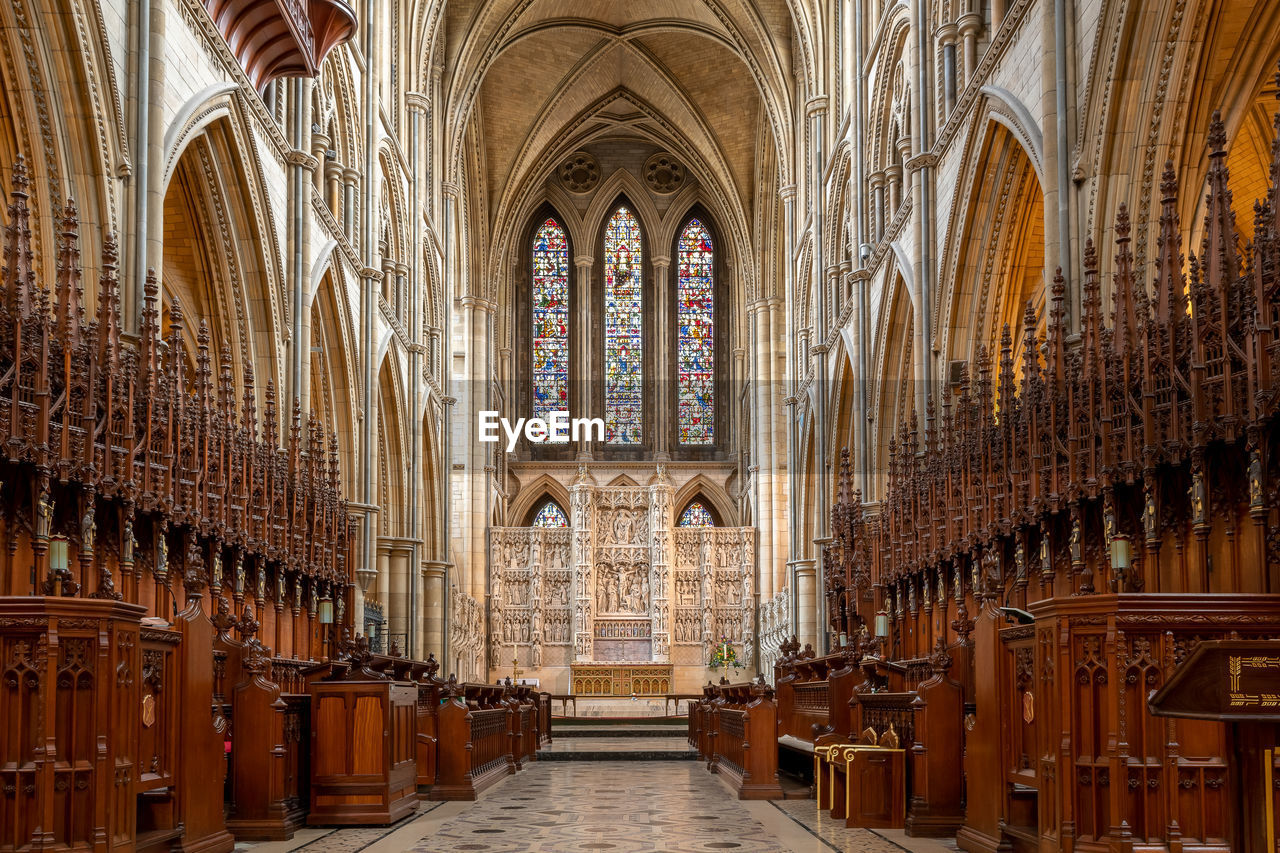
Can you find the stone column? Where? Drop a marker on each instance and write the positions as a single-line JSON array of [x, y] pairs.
[[779, 441], [350, 180], [434, 608], [582, 560], [894, 176], [661, 578], [746, 568], [807, 602], [385, 586], [947, 38], [333, 194], [398, 598], [969, 25], [763, 319], [665, 430], [876, 181], [582, 399], [320, 153]]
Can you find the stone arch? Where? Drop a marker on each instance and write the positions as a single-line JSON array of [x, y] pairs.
[[520, 511], [701, 487], [893, 393], [392, 450], [495, 29], [998, 263], [60, 110], [333, 392], [712, 187], [844, 424], [1150, 80], [214, 258], [619, 188]]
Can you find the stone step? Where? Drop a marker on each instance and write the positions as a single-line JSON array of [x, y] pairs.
[[624, 722], [610, 755], [617, 731], [611, 749]]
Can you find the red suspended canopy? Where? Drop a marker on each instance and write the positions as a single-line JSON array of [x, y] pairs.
[[282, 38]]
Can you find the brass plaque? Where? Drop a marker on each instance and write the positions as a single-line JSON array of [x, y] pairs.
[[1028, 707], [148, 710]]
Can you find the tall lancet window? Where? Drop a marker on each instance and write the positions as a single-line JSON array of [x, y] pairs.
[[550, 320], [695, 343], [623, 330]]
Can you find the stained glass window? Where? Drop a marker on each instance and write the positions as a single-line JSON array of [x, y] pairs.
[[550, 320], [623, 330], [551, 515], [695, 344], [696, 514]]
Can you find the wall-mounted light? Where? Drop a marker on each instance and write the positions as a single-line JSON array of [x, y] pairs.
[[58, 562], [1120, 559], [882, 623], [326, 610], [57, 554]]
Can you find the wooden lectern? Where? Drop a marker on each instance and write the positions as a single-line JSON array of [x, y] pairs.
[[1236, 682]]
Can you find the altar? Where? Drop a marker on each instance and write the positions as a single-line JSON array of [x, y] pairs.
[[612, 679]]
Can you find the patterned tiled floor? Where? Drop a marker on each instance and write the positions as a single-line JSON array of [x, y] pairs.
[[613, 807]]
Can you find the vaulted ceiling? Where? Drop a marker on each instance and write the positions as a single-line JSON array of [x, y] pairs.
[[528, 82]]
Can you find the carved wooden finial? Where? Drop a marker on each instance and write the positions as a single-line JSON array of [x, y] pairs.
[[1217, 135], [247, 626]]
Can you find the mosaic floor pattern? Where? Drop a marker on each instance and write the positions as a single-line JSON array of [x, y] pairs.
[[612, 807]]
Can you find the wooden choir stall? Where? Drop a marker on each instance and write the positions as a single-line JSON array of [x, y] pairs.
[[176, 663], [1074, 526], [733, 727]]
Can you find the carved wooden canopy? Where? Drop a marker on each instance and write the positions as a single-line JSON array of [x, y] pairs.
[[282, 38]]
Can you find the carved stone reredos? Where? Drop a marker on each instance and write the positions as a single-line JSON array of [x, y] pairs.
[[619, 571]]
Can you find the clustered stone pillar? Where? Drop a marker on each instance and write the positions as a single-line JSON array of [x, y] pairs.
[[661, 578], [582, 397], [582, 557]]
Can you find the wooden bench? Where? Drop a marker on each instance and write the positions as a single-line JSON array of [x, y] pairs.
[[737, 737], [475, 740]]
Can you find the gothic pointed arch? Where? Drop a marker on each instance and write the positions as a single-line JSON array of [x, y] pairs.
[[546, 330], [549, 513], [697, 339], [702, 488], [531, 495], [622, 320], [894, 392], [332, 393], [214, 263], [1000, 260], [696, 513]]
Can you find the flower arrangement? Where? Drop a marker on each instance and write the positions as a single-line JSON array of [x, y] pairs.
[[725, 656]]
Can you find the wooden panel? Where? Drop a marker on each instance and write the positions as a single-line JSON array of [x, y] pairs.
[[363, 763], [68, 693], [367, 726], [615, 680]]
